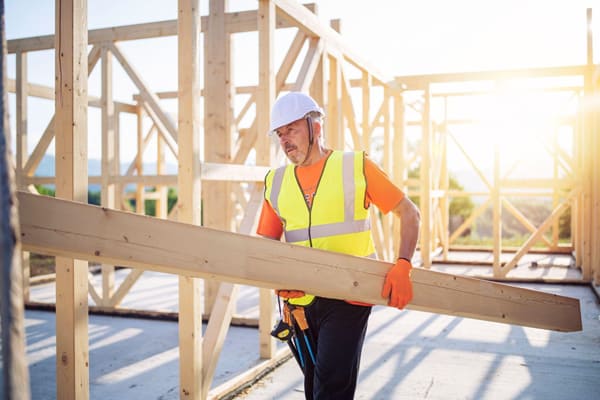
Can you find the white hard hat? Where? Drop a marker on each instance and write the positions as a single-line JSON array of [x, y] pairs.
[[292, 107]]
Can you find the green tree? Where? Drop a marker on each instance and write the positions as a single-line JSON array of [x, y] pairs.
[[150, 205], [94, 197], [45, 190], [460, 208], [564, 224]]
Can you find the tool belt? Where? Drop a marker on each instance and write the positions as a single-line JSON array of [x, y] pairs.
[[293, 328], [303, 301]]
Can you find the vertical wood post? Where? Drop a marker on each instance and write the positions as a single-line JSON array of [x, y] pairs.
[[15, 374], [425, 192], [445, 185], [595, 178], [189, 193], [117, 161], [388, 160], [139, 162], [586, 202], [366, 83], [399, 150], [587, 156], [108, 161], [577, 214], [335, 121], [265, 96], [497, 214], [22, 151], [219, 93], [72, 358], [555, 184], [596, 198], [21, 116], [593, 125], [161, 191], [318, 88]]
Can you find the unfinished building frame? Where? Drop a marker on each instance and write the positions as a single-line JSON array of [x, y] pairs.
[[364, 109]]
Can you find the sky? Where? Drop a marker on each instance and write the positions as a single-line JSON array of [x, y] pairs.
[[398, 37], [401, 37]]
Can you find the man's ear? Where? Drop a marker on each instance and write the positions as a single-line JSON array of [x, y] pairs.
[[317, 129]]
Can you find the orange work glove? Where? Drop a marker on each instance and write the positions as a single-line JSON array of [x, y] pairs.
[[289, 294], [397, 287]]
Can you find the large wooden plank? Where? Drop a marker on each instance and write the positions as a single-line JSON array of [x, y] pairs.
[[60, 227]]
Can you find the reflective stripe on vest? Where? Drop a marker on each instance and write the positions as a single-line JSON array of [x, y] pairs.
[[321, 231], [338, 220]]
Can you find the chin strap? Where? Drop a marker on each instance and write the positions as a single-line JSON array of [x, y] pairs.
[[311, 137]]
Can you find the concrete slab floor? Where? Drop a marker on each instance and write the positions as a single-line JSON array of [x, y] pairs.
[[133, 359], [407, 355], [418, 355]]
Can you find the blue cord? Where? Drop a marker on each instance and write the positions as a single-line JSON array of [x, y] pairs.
[[312, 356], [299, 351]]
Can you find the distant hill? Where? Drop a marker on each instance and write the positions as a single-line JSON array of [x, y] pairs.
[[47, 167], [466, 177]]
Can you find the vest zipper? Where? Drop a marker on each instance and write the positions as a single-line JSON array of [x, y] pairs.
[[309, 208]]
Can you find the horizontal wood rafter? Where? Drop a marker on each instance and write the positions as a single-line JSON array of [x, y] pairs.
[[235, 22]]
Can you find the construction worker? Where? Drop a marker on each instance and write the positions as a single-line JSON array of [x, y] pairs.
[[322, 200]]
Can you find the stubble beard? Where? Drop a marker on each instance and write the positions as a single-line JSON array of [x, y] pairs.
[[292, 153]]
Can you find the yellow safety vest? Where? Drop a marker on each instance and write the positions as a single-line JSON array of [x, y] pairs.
[[337, 220]]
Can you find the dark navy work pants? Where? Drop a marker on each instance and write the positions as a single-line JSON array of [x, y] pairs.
[[338, 329]]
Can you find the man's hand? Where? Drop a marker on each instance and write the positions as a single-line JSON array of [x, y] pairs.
[[289, 294], [397, 287]]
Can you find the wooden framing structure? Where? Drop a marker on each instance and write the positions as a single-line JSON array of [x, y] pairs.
[[363, 107], [572, 182]]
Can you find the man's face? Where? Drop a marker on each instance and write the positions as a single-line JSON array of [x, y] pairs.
[[293, 139]]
